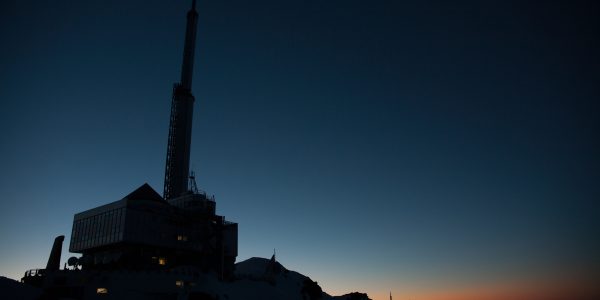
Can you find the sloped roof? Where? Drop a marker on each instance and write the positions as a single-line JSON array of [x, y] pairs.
[[144, 192]]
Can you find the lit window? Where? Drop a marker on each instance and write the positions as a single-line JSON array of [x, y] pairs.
[[179, 283], [101, 291], [182, 238], [162, 261]]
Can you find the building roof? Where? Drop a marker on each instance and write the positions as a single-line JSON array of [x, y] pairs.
[[144, 192]]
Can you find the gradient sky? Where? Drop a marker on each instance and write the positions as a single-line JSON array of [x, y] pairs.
[[440, 150]]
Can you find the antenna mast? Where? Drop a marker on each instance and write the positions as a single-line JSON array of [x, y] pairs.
[[180, 125]]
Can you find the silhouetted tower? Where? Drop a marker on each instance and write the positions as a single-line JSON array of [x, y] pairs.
[[180, 127], [54, 259]]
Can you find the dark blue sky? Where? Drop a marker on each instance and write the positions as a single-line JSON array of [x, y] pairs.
[[418, 147]]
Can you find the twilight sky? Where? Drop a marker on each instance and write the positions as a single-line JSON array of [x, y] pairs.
[[439, 150]]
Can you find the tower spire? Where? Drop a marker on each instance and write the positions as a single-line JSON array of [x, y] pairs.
[[180, 126], [187, 66]]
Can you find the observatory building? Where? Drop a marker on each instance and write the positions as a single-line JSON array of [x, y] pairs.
[[146, 231]]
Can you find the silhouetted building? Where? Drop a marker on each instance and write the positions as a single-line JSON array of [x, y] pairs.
[[146, 231], [155, 244], [143, 231]]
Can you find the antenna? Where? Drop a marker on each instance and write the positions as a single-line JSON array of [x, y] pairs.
[[193, 186], [180, 124]]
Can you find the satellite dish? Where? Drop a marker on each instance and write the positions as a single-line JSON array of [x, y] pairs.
[[73, 261]]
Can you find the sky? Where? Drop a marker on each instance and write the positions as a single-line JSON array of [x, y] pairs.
[[437, 150]]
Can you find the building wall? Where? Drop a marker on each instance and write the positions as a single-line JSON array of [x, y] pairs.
[[106, 226], [155, 234]]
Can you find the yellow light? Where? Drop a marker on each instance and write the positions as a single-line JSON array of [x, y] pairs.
[[101, 291], [162, 261], [179, 283]]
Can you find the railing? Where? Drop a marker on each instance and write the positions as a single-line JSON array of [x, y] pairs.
[[35, 272], [225, 222]]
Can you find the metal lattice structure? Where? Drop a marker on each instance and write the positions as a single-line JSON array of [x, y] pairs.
[[180, 127]]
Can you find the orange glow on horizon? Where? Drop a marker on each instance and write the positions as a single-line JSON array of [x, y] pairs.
[[565, 290]]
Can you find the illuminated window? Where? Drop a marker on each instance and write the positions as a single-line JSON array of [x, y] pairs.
[[162, 261], [179, 283], [182, 238], [101, 291]]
